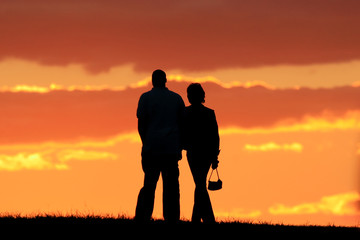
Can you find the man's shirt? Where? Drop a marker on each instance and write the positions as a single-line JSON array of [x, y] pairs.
[[161, 112]]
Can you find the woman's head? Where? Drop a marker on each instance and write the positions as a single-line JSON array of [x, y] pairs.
[[195, 93]]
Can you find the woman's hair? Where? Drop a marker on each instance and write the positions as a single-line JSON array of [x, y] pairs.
[[195, 93]]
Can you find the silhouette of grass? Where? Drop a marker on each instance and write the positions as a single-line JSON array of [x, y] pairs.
[[109, 224]]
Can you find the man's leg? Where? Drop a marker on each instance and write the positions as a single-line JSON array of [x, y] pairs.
[[171, 191], [145, 203]]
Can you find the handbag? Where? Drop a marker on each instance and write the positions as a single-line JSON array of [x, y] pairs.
[[214, 185]]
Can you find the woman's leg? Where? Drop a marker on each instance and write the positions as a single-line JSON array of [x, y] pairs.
[[196, 214], [202, 204], [207, 213]]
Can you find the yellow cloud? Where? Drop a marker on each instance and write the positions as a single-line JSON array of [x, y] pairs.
[[142, 83], [238, 213], [189, 79], [53, 87], [340, 204], [271, 146], [55, 155], [351, 120], [248, 84], [132, 137], [49, 159], [80, 154], [21, 161]]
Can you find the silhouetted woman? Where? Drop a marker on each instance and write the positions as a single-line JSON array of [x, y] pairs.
[[201, 141]]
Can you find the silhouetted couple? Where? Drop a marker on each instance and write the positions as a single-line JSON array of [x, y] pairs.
[[166, 127]]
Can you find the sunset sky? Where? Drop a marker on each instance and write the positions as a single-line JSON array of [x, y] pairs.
[[282, 76]]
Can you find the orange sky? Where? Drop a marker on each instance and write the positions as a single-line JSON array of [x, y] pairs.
[[283, 80]]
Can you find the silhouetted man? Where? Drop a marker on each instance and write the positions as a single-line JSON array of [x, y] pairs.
[[160, 112]]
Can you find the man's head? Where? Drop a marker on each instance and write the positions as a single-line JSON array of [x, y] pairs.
[[158, 78]]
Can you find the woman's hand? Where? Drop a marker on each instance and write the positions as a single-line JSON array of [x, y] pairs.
[[215, 164]]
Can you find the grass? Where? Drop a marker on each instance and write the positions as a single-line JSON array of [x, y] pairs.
[[109, 224]]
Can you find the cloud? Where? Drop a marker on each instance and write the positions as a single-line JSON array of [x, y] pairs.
[[20, 161], [67, 115], [349, 121], [74, 76], [177, 78], [238, 213], [339, 204], [143, 83], [261, 107], [64, 115], [59, 155], [52, 87], [80, 154], [49, 159], [179, 34], [79, 144], [69, 77], [271, 146]]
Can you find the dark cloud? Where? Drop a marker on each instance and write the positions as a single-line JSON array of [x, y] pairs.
[[64, 115], [186, 35]]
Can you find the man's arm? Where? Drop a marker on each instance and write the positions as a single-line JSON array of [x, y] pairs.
[[142, 118], [181, 122], [142, 128]]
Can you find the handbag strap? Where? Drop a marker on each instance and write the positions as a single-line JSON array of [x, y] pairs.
[[217, 173]]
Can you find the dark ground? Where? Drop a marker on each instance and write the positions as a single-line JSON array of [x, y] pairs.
[[114, 228]]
